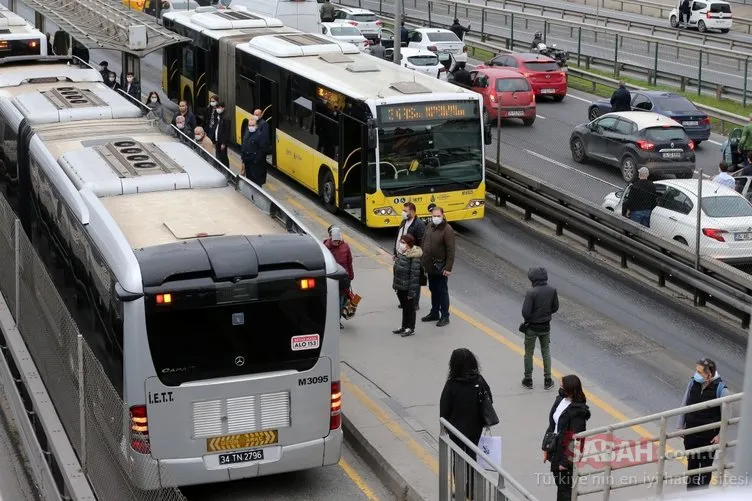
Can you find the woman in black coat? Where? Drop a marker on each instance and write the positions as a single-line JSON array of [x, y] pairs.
[[568, 417], [406, 282]]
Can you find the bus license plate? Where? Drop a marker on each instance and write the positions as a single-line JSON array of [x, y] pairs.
[[241, 457], [548, 91], [672, 154], [691, 123], [516, 113], [745, 236]]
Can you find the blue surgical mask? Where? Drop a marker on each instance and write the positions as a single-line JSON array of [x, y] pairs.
[[699, 377]]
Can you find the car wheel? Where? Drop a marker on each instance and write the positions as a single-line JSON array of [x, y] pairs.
[[594, 113], [628, 168], [674, 22], [577, 146], [528, 121], [724, 30], [328, 192], [558, 98], [701, 27], [681, 240]]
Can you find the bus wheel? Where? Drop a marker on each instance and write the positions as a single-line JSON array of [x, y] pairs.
[[328, 192]]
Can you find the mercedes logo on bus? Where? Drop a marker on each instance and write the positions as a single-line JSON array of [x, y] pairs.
[[672, 145], [240, 361]]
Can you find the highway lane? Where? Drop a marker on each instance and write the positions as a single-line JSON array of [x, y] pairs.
[[634, 51]]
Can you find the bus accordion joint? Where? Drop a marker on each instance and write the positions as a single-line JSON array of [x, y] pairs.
[[307, 283], [140, 430], [335, 417]]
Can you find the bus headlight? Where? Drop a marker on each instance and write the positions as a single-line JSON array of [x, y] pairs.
[[385, 211], [475, 203]]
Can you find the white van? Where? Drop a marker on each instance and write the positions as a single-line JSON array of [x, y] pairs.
[[302, 15], [705, 15]]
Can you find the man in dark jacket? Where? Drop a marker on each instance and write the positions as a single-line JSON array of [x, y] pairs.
[[541, 302], [621, 99], [222, 135], [685, 11], [327, 12], [104, 69], [263, 127], [462, 76], [641, 199], [438, 260], [133, 89], [253, 153], [404, 34], [458, 29], [411, 225]]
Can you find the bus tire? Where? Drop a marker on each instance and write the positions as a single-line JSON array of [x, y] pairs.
[[327, 190]]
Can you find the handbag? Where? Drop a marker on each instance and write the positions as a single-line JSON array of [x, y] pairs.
[[351, 305], [549, 441], [488, 414]]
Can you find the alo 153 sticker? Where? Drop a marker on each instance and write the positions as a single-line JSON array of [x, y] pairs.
[[305, 342]]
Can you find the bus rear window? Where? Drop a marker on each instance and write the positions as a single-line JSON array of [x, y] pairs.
[[234, 339]]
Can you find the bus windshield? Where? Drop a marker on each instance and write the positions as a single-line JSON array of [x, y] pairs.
[[430, 154]]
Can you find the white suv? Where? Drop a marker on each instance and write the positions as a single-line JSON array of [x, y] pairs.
[[363, 19], [440, 41], [705, 15]]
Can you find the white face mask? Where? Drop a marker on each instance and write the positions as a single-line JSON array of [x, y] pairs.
[[405, 214], [112, 79], [437, 220], [102, 68], [129, 79], [181, 126], [252, 129], [199, 138], [153, 99], [220, 110], [402, 247], [212, 103]]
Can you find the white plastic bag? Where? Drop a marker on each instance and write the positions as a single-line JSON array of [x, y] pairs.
[[491, 447]]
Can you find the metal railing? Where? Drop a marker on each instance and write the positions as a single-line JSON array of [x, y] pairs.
[[461, 477], [722, 72], [599, 465]]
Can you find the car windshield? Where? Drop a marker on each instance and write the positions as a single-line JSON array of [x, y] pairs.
[[365, 18], [512, 85], [442, 37], [675, 103], [717, 8], [427, 60], [345, 31], [726, 206], [665, 133], [542, 65]]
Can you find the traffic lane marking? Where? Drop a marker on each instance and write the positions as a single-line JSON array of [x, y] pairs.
[[588, 101], [356, 479], [569, 167]]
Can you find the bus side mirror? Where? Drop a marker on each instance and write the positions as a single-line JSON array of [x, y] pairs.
[[487, 138], [371, 128]]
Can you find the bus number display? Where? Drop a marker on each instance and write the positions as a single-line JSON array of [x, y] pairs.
[[419, 112]]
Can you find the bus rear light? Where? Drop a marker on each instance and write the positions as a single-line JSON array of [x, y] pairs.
[[475, 203], [384, 211], [139, 430], [335, 416], [307, 283], [164, 298]]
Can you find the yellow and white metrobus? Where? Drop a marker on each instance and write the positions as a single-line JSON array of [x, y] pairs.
[[365, 134]]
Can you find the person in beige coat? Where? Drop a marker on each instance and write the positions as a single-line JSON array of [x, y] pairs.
[[202, 139]]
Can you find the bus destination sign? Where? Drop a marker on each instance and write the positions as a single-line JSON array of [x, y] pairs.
[[420, 112]]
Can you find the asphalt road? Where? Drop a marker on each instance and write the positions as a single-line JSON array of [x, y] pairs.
[[634, 51]]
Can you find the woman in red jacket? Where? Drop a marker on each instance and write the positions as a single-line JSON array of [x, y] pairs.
[[341, 252]]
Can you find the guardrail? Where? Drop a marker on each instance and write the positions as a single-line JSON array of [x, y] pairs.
[[709, 280], [591, 45]]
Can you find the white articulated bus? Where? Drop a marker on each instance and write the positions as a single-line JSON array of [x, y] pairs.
[[18, 37], [217, 313]]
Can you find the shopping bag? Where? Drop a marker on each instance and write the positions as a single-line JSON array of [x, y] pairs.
[[491, 447], [351, 305]]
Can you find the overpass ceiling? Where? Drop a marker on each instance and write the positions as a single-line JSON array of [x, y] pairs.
[[103, 24]]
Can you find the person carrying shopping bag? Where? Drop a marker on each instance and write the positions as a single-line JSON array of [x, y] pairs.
[[342, 254]]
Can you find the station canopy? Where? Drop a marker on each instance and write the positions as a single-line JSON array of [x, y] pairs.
[[103, 24]]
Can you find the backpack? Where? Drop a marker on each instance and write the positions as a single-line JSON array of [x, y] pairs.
[[718, 390]]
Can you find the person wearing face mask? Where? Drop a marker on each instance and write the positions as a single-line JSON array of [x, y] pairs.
[[210, 116], [252, 152], [407, 273], [263, 127], [342, 255], [567, 418], [199, 135], [111, 81], [188, 116], [438, 260], [181, 126], [132, 88], [222, 135], [152, 100], [104, 70], [705, 385], [410, 225]]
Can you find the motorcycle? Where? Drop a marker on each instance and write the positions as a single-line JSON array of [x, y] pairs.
[[559, 55]]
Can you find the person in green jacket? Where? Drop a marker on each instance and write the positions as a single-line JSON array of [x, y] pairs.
[[745, 143]]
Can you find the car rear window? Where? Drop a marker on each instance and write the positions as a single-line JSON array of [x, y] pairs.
[[675, 103], [423, 60], [512, 85], [726, 206], [345, 31], [541, 65], [442, 37], [717, 8], [365, 18], [665, 133]]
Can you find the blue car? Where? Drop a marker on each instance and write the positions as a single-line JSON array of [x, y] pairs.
[[679, 108]]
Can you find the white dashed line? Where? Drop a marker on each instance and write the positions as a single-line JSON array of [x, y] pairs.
[[569, 167], [715, 142], [580, 98], [539, 116]]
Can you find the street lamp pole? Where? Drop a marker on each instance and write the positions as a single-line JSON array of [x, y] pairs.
[[397, 32]]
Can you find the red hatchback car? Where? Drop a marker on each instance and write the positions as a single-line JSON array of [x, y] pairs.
[[505, 92], [544, 73]]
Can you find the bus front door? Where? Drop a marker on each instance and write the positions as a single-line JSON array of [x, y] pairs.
[[267, 100], [351, 161]]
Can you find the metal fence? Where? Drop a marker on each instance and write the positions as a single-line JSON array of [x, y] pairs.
[[462, 477], [91, 410], [614, 462]]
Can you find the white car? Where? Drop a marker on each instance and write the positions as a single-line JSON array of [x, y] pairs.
[[343, 32], [725, 222], [440, 41], [705, 15], [363, 19], [422, 61]]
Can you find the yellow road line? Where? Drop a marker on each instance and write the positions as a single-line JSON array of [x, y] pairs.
[[416, 448], [358, 480]]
